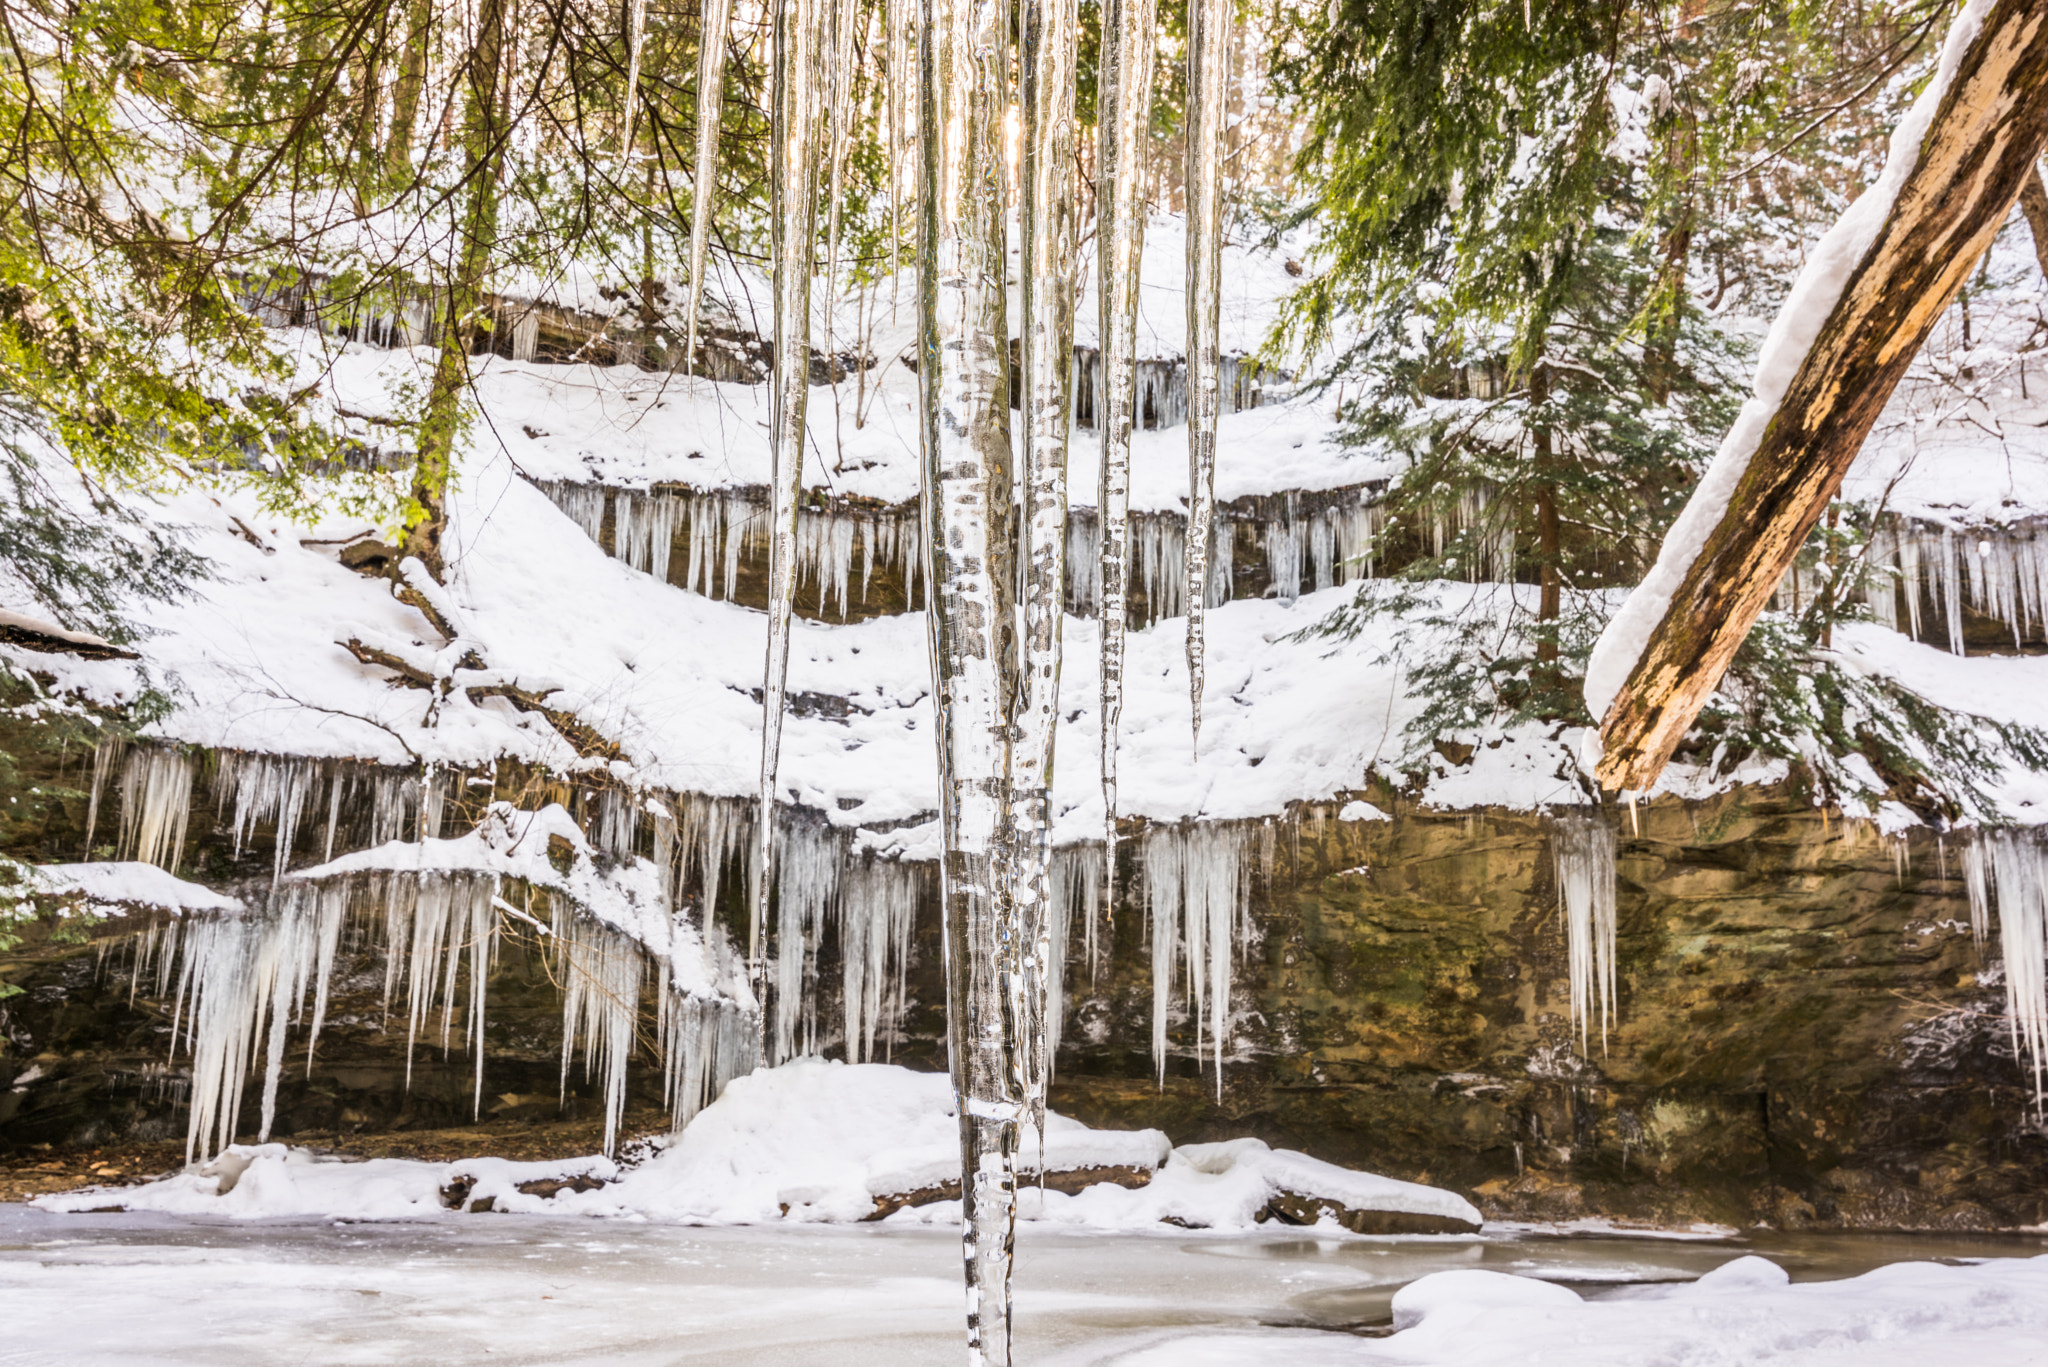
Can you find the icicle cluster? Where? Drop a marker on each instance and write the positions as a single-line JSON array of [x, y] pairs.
[[601, 972], [1582, 849], [156, 804], [1197, 883], [1999, 572], [705, 542], [2010, 867], [699, 541], [241, 977]]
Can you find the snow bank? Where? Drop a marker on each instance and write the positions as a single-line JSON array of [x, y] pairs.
[[810, 1141], [1989, 1314]]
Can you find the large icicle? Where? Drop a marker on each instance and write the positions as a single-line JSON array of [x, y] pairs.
[[2013, 867], [636, 32], [601, 973], [1124, 116], [877, 913], [1047, 64], [806, 888], [1195, 880], [1208, 92], [963, 383], [704, 188], [1582, 846], [799, 55], [156, 802]]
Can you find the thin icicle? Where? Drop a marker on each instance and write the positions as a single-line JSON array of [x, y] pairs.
[[636, 31], [840, 76], [1124, 105], [1047, 65], [963, 382], [1208, 91], [1582, 846], [704, 188], [2012, 867], [799, 53]]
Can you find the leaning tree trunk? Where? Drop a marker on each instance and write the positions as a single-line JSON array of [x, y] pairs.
[[1897, 259], [476, 234]]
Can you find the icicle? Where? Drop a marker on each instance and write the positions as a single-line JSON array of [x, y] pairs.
[[104, 753], [704, 187], [705, 1042], [968, 512], [1124, 105], [644, 529], [1208, 43], [799, 51], [266, 788], [806, 886], [636, 28], [2012, 866], [1076, 884], [1582, 846], [216, 1006], [877, 913], [583, 504], [1047, 66], [1195, 887], [840, 76], [156, 803], [600, 974]]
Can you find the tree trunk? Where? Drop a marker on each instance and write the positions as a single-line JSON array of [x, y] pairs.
[[405, 94], [1549, 603], [2034, 204], [1980, 144], [477, 229]]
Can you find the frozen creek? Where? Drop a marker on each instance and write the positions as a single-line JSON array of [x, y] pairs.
[[140, 1287]]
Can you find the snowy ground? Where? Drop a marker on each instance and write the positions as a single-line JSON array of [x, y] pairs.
[[84, 1290]]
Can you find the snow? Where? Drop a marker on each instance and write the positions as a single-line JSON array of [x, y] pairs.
[[111, 887], [40, 627], [811, 1141], [1805, 310], [1991, 1314]]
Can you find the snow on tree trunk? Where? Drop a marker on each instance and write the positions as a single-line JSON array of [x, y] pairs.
[[963, 381], [1047, 67], [1208, 92], [799, 81], [1871, 290], [1124, 105], [704, 187]]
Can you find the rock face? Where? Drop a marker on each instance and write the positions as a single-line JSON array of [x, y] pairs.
[[1803, 1035], [1806, 1033]]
